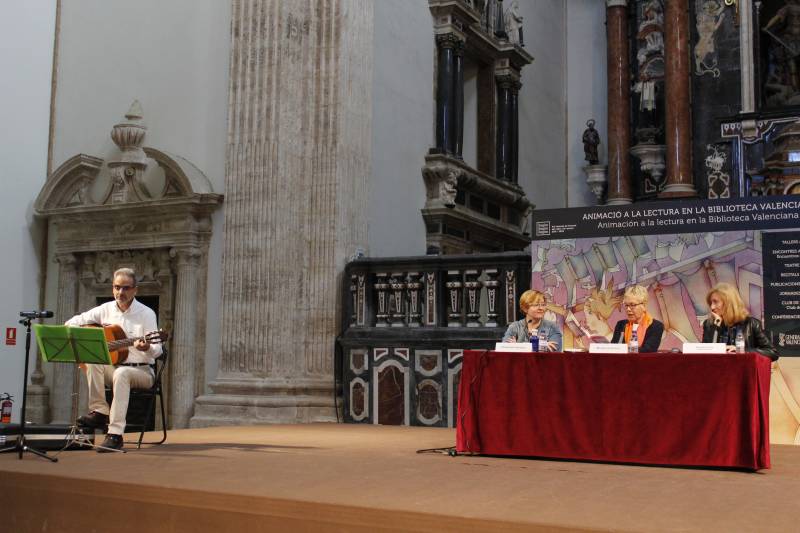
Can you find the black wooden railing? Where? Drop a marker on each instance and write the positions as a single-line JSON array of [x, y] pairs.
[[406, 323]]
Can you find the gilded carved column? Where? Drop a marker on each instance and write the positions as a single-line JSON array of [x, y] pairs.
[[297, 168], [184, 354], [620, 190], [64, 374], [677, 96]]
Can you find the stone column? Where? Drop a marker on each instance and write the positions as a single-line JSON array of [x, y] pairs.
[[503, 161], [296, 181], [677, 119], [64, 374], [458, 99], [620, 190], [445, 94], [182, 359], [515, 87]]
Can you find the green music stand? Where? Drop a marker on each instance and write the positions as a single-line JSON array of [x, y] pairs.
[[64, 344]]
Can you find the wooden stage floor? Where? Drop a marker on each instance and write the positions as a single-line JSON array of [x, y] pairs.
[[329, 477]]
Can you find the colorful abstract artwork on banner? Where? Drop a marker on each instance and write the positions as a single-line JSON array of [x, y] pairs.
[[584, 280]]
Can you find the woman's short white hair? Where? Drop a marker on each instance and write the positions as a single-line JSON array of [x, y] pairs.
[[636, 291]]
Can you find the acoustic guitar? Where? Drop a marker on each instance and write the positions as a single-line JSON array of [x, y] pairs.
[[118, 342]]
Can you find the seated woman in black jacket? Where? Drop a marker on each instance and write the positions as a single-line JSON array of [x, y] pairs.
[[730, 316], [648, 329]]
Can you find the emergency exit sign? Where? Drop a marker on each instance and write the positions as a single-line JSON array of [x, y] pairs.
[[11, 336]]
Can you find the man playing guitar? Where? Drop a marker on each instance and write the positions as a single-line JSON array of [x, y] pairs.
[[136, 320]]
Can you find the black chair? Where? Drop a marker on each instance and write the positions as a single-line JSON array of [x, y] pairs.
[[147, 397], [151, 393]]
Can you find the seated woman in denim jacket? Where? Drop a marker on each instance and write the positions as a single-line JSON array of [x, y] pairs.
[[532, 304]]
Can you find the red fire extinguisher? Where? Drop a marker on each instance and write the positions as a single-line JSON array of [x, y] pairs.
[[5, 416]]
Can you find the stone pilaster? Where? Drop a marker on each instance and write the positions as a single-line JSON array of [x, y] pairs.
[[297, 165], [64, 374], [184, 355]]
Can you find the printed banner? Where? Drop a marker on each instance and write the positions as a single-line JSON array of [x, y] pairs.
[[781, 259], [685, 216], [678, 250]]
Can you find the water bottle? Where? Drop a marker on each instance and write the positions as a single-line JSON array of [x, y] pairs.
[[739, 341], [535, 341], [542, 341], [633, 345]]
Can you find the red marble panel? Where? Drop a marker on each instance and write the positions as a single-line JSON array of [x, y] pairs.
[[357, 399], [391, 396], [428, 407], [357, 360]]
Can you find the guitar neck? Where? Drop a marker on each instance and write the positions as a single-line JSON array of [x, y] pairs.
[[122, 343]]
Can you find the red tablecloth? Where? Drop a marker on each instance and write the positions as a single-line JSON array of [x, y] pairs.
[[704, 410]]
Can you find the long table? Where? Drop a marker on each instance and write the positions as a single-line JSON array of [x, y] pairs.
[[669, 409]]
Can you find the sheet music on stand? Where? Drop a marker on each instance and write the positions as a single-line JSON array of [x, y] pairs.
[[65, 344]]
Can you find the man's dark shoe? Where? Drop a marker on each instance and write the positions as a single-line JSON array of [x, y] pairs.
[[114, 442], [93, 420]]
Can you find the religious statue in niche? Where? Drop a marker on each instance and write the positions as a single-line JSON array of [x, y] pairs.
[[782, 85], [650, 53], [590, 141], [709, 17], [514, 24]]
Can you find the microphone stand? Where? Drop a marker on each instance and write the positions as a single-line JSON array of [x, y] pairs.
[[21, 446]]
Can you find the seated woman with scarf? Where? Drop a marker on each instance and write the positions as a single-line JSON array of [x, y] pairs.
[[648, 329]]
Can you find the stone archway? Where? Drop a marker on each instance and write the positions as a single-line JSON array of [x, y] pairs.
[[148, 210]]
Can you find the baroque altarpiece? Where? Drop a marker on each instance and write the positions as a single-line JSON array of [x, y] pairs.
[[745, 95]]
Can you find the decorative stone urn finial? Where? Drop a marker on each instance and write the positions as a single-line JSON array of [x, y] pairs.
[[127, 169], [135, 112], [129, 135]]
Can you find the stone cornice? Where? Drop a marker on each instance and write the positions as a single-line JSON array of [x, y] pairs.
[[456, 17], [443, 9], [176, 222], [490, 48], [474, 219], [616, 3], [198, 203], [488, 187]]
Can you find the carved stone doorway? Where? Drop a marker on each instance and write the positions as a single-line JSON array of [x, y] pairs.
[[147, 210]]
